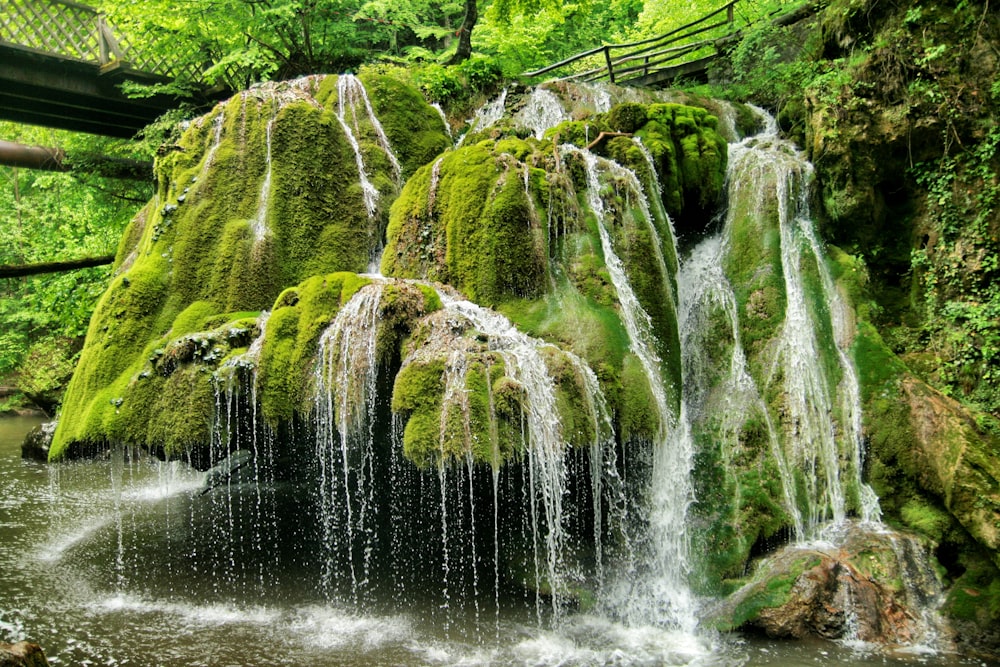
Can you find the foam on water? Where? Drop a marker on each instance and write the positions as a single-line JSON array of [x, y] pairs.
[[201, 615], [332, 628]]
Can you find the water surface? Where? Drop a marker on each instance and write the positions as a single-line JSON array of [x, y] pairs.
[[118, 562]]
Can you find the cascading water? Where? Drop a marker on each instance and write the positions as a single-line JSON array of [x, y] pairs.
[[661, 594], [542, 111], [486, 116], [369, 191], [354, 462], [705, 292], [344, 418], [819, 431], [352, 93], [465, 537]]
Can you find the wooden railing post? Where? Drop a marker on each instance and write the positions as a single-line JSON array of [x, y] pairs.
[[105, 56], [729, 12], [607, 57], [109, 44]]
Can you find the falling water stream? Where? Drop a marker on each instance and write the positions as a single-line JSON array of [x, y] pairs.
[[377, 562]]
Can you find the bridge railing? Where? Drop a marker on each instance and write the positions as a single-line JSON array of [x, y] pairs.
[[75, 31], [636, 59]]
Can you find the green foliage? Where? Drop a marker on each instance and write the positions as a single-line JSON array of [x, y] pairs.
[[481, 73], [959, 275], [440, 83], [763, 69], [45, 217]]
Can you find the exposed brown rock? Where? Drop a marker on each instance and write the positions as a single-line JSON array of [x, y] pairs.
[[22, 654]]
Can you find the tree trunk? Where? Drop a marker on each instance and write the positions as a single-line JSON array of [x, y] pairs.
[[18, 270], [465, 33], [53, 159]]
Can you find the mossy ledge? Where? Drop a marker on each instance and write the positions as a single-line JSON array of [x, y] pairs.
[[255, 197]]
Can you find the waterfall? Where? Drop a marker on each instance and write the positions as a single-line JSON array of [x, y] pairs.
[[242, 448], [545, 445], [368, 191], [542, 111], [661, 595], [344, 416], [705, 291], [823, 421], [259, 223], [444, 119], [486, 116], [351, 91]]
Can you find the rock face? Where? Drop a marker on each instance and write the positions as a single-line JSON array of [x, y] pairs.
[[22, 654], [530, 306], [279, 198], [279, 184], [521, 339], [36, 443], [874, 586]]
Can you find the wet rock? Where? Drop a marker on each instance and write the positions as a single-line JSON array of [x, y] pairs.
[[22, 654], [867, 583], [36, 443]]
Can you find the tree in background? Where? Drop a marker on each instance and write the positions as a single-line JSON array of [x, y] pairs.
[[46, 216]]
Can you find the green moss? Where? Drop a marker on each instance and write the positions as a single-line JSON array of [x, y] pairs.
[[975, 596], [638, 417], [119, 329], [925, 518], [772, 592], [414, 129], [628, 117], [193, 317], [432, 301], [480, 209], [417, 393], [291, 339], [207, 245], [690, 157]]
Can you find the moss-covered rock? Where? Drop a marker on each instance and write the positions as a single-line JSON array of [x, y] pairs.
[[255, 197], [523, 204], [872, 587]]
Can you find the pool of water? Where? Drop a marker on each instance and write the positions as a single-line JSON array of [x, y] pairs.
[[130, 562]]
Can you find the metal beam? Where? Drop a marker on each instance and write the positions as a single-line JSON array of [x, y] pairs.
[[58, 92]]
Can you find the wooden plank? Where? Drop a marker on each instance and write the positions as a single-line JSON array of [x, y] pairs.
[[571, 59], [653, 47], [676, 30], [669, 74]]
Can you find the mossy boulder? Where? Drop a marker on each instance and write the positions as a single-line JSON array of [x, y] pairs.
[[257, 196], [872, 587], [509, 222]]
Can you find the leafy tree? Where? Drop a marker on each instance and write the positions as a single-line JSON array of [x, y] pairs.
[[235, 43], [47, 216]]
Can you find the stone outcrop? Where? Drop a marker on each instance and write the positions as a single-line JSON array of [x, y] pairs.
[[36, 443], [874, 585], [22, 654]]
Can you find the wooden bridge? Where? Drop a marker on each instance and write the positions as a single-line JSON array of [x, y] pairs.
[[684, 52], [62, 65]]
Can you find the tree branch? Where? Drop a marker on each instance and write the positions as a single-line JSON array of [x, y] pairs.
[[19, 270], [54, 159]]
